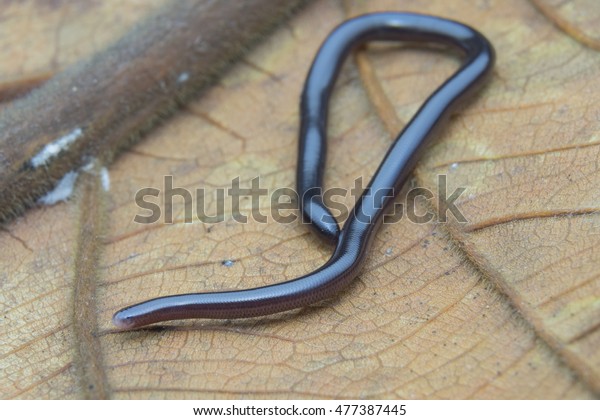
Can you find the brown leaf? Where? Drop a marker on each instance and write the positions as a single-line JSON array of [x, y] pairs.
[[504, 306], [578, 18]]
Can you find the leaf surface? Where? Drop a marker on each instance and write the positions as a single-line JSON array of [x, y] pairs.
[[504, 306]]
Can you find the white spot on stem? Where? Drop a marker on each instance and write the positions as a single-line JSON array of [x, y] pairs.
[[88, 167], [52, 149], [183, 77], [62, 191], [105, 178]]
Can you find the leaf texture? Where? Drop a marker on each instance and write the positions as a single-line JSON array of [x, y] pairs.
[[506, 305]]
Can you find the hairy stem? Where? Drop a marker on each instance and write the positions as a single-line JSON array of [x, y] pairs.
[[101, 104]]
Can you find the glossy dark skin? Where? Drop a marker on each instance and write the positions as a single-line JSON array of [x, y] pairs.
[[354, 240]]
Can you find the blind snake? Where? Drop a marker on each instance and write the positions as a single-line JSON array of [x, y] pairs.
[[354, 240]]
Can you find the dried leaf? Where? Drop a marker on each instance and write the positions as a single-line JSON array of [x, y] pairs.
[[504, 306]]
